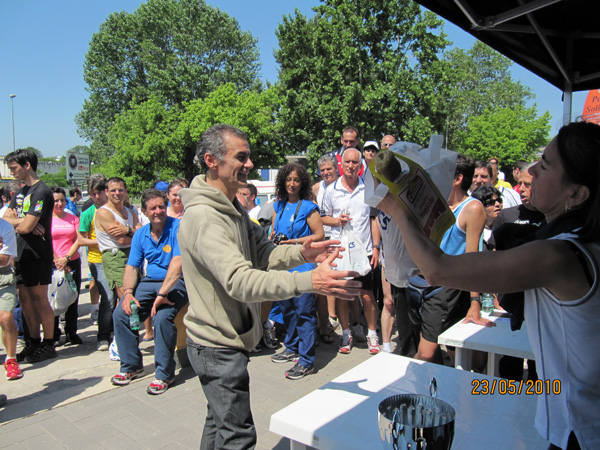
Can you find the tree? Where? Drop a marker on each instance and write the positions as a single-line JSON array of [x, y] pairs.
[[509, 134], [475, 80], [56, 179], [370, 64], [151, 138], [176, 50]]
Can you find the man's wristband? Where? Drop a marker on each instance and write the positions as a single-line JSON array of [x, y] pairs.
[[162, 295], [476, 299]]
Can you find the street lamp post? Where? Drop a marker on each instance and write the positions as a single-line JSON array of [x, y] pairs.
[[12, 110]]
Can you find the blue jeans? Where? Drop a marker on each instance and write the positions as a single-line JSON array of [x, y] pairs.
[[224, 376], [165, 331], [300, 320], [107, 302]]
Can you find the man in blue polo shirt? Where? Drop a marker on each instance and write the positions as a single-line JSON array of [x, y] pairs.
[[160, 293]]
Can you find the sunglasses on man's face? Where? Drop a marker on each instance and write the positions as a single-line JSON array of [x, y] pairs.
[[370, 149], [385, 145]]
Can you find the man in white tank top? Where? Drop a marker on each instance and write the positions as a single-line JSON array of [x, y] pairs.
[[115, 225]]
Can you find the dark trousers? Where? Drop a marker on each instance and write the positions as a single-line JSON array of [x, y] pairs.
[[223, 373], [107, 302], [300, 320], [408, 334]]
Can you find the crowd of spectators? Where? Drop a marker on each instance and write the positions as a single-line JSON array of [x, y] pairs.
[[145, 267]]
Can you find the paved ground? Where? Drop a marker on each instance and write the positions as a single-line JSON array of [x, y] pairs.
[[69, 402]]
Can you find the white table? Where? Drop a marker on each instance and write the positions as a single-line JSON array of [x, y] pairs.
[[343, 413], [498, 340]]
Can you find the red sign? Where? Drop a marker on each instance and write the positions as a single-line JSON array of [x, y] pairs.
[[591, 109]]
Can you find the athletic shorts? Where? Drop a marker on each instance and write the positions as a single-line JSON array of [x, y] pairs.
[[114, 266], [442, 311], [8, 292], [33, 273], [367, 280]]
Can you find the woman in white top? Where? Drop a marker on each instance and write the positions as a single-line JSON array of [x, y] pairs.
[[558, 272]]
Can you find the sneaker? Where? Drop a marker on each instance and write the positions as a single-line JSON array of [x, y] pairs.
[[28, 350], [124, 378], [159, 386], [334, 322], [73, 339], [270, 338], [358, 333], [113, 351], [285, 357], [373, 344], [346, 345], [94, 317], [298, 371], [44, 352], [102, 346], [13, 371]]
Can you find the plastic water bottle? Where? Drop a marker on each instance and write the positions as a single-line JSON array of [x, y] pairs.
[[487, 303], [134, 318], [71, 281]]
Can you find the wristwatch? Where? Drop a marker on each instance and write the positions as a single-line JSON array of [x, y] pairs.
[[68, 258], [476, 299], [378, 246], [129, 231]]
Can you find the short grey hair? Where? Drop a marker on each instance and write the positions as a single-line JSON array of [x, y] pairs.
[[328, 158], [212, 142]]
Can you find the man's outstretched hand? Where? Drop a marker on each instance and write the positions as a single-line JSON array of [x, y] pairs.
[[326, 281], [318, 252]]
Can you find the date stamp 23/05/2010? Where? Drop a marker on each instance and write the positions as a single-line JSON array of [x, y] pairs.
[[512, 387]]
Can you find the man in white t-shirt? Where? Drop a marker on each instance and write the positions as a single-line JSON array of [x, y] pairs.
[[344, 205], [247, 197]]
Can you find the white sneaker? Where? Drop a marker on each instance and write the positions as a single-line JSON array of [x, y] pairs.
[[113, 351], [373, 344], [334, 322]]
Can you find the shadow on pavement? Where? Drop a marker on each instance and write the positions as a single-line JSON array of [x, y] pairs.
[[52, 394]]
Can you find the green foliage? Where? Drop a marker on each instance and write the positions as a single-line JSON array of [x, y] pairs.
[[476, 80], [175, 50], [57, 179], [372, 64], [152, 138], [509, 134]]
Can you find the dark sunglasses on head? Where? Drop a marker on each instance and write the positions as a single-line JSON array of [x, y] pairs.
[[492, 201]]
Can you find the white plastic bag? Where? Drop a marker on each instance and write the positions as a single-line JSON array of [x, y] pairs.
[[60, 294], [355, 256]]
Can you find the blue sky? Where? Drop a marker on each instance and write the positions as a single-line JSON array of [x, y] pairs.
[[43, 45]]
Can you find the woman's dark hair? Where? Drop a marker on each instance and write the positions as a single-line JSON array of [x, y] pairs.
[[58, 190], [486, 193], [578, 145], [174, 183], [306, 183], [465, 167]]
